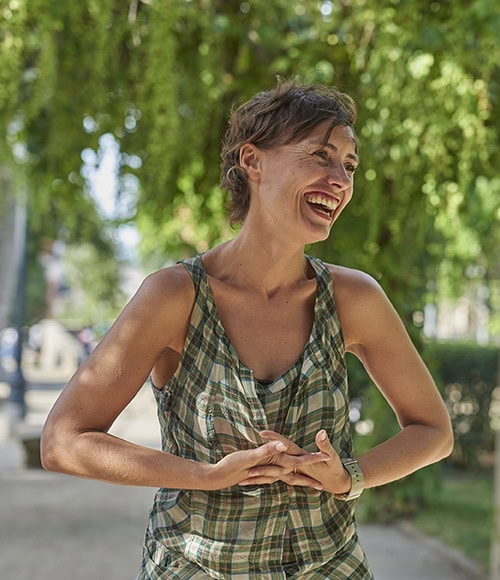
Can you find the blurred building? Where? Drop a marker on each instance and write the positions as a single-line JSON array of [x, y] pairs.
[[471, 317]]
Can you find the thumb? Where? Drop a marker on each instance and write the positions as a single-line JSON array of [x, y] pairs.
[[324, 444]]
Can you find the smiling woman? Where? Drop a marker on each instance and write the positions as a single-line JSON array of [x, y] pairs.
[[298, 176], [245, 346]]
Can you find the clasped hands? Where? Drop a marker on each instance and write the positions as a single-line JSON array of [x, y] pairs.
[[280, 459]]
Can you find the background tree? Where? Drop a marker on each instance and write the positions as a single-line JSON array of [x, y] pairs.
[[158, 78], [42, 139], [11, 230]]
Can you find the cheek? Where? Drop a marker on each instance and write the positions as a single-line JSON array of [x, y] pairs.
[[348, 193]]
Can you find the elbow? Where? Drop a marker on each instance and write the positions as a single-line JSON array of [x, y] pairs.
[[446, 442], [51, 450], [449, 446]]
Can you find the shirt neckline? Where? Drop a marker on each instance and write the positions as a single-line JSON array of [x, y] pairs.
[[222, 331]]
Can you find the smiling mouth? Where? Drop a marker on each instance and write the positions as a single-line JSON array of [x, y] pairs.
[[322, 204]]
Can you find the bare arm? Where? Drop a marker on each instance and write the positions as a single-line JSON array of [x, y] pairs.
[[374, 332], [75, 439]]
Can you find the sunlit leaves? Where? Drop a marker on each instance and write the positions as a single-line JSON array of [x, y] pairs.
[[162, 76]]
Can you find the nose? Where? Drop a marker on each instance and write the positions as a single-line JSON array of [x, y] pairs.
[[337, 176]]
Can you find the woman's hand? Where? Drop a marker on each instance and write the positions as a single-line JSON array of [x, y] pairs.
[[328, 475], [237, 467]]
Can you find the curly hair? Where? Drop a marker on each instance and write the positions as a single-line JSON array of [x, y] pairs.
[[285, 114]]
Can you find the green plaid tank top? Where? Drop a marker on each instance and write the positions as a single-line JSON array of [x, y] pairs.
[[213, 406]]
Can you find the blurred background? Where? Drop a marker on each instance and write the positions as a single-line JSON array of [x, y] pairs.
[[111, 120]]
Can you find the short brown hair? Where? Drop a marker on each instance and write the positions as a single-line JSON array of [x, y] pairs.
[[285, 114]]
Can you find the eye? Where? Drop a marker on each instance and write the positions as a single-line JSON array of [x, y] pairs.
[[322, 154], [350, 168]]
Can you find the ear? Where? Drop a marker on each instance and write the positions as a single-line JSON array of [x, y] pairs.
[[250, 161]]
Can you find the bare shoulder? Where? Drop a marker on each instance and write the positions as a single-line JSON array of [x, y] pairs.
[[172, 283], [159, 312], [362, 305], [354, 284]]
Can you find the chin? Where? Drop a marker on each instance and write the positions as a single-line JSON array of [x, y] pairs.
[[319, 234]]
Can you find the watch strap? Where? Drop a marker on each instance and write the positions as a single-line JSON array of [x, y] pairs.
[[357, 480]]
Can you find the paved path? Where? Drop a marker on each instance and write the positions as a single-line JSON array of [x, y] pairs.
[[55, 527]]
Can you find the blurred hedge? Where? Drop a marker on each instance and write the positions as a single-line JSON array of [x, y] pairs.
[[466, 375]]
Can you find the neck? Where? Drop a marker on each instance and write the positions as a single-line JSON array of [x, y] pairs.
[[261, 263]]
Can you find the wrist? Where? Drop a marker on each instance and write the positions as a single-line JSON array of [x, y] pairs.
[[346, 486], [197, 475], [206, 476]]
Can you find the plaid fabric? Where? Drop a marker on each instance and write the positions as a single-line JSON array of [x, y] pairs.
[[212, 406]]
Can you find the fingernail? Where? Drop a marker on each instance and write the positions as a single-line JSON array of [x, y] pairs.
[[318, 487], [322, 435], [280, 446]]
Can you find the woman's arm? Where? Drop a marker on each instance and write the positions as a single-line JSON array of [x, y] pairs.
[[374, 332], [75, 439]]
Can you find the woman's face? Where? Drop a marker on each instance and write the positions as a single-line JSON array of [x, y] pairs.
[[304, 186]]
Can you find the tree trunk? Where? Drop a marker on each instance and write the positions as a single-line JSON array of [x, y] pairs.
[[12, 218]]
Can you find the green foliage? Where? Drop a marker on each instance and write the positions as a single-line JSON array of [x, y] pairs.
[[161, 77], [60, 75], [466, 375], [427, 193], [53, 58], [99, 302], [359, 381], [427, 137]]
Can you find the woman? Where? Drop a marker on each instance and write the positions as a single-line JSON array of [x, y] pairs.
[[245, 347]]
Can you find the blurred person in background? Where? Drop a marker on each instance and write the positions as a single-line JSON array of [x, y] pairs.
[[245, 346], [86, 336], [8, 348]]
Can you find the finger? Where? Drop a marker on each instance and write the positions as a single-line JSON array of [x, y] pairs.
[[299, 461], [307, 459], [258, 481], [293, 479], [274, 471], [291, 447], [294, 451], [268, 471], [298, 479], [268, 450]]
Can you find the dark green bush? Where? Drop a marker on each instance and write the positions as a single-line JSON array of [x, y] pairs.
[[466, 376]]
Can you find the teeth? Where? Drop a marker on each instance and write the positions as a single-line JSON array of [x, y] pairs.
[[328, 202]]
